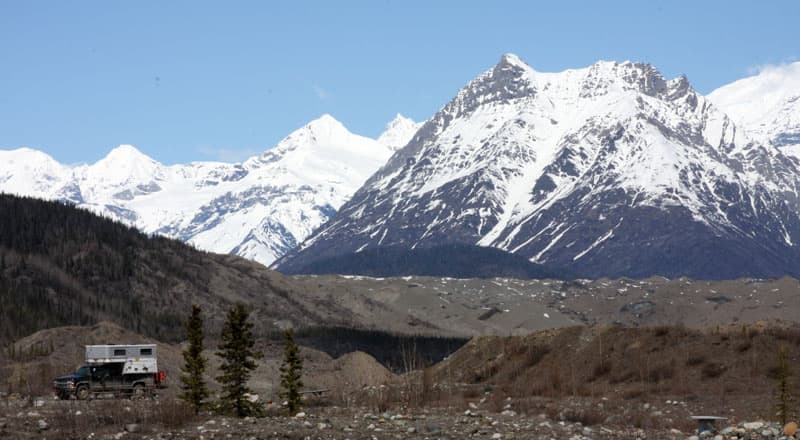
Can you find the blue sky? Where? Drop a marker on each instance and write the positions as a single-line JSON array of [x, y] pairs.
[[199, 80]]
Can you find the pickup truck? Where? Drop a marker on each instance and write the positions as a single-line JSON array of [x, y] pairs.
[[117, 370], [93, 380]]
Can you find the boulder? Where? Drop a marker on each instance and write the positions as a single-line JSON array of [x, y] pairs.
[[132, 427], [753, 426], [790, 429]]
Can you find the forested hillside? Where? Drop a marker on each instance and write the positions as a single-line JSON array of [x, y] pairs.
[[60, 265], [65, 266]]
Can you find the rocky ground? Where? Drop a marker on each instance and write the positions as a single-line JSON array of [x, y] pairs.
[[589, 383], [502, 306], [483, 418]]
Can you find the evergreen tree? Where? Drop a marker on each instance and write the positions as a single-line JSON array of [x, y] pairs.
[[291, 372], [238, 361], [193, 386], [784, 400]]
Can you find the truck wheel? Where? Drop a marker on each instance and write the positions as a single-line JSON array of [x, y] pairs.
[[138, 392], [82, 393]]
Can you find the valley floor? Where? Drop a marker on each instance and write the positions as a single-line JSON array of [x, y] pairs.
[[481, 417], [575, 382]]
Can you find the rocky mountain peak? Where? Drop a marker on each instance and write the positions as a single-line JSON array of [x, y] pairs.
[[510, 61], [321, 139], [325, 129], [509, 79], [593, 170], [398, 121], [325, 122], [125, 153], [123, 165], [398, 132], [26, 156], [605, 76]]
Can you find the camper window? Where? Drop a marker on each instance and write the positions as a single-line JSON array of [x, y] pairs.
[[146, 352], [119, 352]]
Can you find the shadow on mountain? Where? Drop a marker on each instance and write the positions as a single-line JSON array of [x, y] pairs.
[[451, 260]]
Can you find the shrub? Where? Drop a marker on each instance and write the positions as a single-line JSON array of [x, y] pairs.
[[712, 370], [661, 330], [661, 372], [632, 394], [585, 416], [695, 359], [623, 376], [534, 354], [743, 346]]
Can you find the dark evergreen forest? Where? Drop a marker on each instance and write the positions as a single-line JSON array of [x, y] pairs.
[[450, 260], [393, 350], [65, 266]]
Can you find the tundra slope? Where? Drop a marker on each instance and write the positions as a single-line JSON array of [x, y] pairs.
[[610, 170], [257, 209]]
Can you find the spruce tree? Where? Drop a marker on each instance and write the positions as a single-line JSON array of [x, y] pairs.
[[291, 372], [238, 361], [194, 387], [784, 401]]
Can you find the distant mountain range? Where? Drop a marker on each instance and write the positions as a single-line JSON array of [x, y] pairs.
[[607, 171], [610, 170], [258, 209]]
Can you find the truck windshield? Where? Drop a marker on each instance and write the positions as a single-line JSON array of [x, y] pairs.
[[83, 371]]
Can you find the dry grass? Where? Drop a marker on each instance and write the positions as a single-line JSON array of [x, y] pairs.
[[627, 363], [78, 419], [29, 378]]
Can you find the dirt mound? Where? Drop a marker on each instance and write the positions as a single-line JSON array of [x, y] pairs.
[[346, 373], [358, 369], [66, 345]]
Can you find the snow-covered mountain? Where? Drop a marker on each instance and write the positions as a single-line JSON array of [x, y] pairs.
[[258, 209], [398, 132], [608, 170], [766, 105]]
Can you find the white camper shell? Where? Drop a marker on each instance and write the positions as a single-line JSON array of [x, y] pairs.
[[141, 358]]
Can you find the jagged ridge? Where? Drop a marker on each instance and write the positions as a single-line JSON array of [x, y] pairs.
[[609, 170]]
